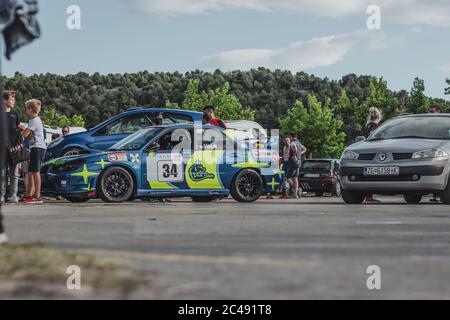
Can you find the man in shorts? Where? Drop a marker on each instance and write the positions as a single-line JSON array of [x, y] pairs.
[[291, 167]]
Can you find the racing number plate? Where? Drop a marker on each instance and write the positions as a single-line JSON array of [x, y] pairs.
[[381, 171], [170, 171]]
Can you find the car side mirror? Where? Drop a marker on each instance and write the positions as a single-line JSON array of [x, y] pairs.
[[154, 147], [360, 138]]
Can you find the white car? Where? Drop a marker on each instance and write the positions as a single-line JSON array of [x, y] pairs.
[[51, 130], [247, 130]]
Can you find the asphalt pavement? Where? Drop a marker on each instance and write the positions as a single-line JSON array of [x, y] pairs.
[[315, 248]]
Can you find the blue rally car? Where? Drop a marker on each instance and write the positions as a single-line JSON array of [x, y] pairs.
[[203, 163], [115, 129]]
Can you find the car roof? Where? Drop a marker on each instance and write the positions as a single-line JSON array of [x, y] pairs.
[[147, 109], [439, 115], [137, 110], [186, 126]]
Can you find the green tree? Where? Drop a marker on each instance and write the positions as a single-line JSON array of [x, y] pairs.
[[447, 90], [352, 114], [77, 121], [271, 93], [381, 97], [53, 118], [227, 105], [318, 129], [418, 102]]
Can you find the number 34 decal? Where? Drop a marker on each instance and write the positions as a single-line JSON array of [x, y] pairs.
[[169, 171]]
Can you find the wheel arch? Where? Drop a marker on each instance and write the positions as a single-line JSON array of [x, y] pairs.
[[119, 165], [246, 168], [73, 146]]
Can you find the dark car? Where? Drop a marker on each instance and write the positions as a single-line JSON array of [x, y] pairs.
[[320, 176], [111, 131]]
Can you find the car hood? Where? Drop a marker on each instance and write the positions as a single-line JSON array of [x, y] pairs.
[[397, 145], [98, 155]]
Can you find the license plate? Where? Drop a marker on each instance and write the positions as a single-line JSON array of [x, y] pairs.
[[381, 171], [312, 175]]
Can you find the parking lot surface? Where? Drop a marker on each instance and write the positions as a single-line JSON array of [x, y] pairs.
[[315, 248]]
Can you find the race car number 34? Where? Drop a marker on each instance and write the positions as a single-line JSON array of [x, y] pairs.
[[170, 171]]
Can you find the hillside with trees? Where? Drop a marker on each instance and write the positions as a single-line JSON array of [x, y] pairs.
[[260, 94]]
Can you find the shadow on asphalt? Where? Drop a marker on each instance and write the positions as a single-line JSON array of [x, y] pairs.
[[270, 202]]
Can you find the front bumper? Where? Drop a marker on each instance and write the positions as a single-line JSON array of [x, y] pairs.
[[423, 176], [66, 185]]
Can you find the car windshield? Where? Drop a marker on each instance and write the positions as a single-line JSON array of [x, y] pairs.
[[414, 128], [316, 166], [137, 140]]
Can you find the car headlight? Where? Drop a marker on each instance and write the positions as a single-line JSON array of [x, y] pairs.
[[349, 155], [68, 166], [430, 153], [55, 142]]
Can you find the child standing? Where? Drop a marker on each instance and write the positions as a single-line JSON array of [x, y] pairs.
[[38, 148]]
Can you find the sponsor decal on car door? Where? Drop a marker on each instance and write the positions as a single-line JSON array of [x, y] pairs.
[[202, 170]]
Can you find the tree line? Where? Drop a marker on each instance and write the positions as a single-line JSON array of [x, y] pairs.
[[328, 114]]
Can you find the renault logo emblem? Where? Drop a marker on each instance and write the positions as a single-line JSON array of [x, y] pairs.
[[382, 156]]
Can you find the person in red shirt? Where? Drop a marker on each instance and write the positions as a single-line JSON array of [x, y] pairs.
[[208, 113]]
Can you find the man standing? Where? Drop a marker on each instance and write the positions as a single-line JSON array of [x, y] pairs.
[[10, 173], [65, 131], [291, 167], [301, 150], [3, 137], [208, 112]]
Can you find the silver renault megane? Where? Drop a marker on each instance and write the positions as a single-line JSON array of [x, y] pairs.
[[407, 155]]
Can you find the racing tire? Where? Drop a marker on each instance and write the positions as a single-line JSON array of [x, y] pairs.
[[203, 199], [337, 191], [412, 198], [116, 185], [351, 197], [71, 152], [247, 186], [76, 200]]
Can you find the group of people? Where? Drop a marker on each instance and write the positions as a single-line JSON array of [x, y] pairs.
[[31, 138]]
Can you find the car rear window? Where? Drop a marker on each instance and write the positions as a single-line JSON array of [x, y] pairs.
[[316, 166]]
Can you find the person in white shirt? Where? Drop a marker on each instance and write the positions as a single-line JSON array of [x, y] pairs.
[[38, 147]]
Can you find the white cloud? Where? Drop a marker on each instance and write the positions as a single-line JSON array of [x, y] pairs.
[[410, 12], [317, 52], [445, 68]]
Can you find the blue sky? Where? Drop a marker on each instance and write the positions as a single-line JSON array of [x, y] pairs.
[[322, 37]]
